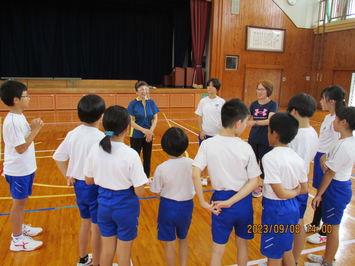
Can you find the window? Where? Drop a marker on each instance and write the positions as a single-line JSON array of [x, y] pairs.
[[335, 10]]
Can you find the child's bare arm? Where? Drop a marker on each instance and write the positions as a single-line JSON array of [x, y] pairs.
[[36, 125], [327, 178], [284, 193], [304, 188], [63, 166], [242, 193], [139, 191], [89, 180]]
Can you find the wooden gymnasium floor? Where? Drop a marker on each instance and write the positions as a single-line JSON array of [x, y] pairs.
[[52, 206]]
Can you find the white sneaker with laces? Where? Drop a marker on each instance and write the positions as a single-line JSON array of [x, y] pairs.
[[204, 182], [309, 228], [315, 258], [24, 243], [316, 239], [28, 230]]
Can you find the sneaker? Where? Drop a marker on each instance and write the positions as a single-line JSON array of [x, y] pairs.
[[309, 228], [24, 243], [312, 264], [316, 258], [204, 182], [88, 261], [28, 230], [316, 239], [263, 264]]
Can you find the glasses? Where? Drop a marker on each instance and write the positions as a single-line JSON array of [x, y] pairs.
[[25, 96], [143, 89]]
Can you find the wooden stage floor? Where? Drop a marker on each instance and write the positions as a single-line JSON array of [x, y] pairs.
[[53, 207]]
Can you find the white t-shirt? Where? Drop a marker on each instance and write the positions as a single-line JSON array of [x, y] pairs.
[[118, 170], [305, 144], [231, 162], [75, 148], [282, 165], [341, 158], [327, 135], [15, 131], [210, 111], [173, 179]]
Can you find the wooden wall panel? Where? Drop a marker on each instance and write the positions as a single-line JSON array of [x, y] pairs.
[[110, 99], [339, 56], [228, 33], [125, 99], [161, 100], [67, 101], [42, 102], [182, 100], [44, 83]]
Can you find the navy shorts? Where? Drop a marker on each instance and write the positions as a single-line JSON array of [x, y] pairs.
[[302, 202], [279, 220], [86, 198], [174, 219], [239, 216], [118, 213], [20, 186], [335, 199], [317, 171]]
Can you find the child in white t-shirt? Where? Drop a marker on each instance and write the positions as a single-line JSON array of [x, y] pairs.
[[233, 171], [332, 98], [209, 114], [19, 162], [172, 180], [335, 191], [285, 178], [75, 148], [117, 169], [305, 144]]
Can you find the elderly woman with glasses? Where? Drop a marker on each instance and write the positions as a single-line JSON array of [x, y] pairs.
[[144, 118]]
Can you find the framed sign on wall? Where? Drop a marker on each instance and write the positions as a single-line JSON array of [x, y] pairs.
[[265, 39]]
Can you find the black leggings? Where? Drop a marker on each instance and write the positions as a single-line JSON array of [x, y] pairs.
[[260, 150], [317, 217], [139, 143]]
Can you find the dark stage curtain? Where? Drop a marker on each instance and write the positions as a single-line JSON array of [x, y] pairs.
[[123, 39], [200, 13]]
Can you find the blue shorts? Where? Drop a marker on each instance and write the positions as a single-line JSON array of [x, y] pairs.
[[86, 198], [302, 203], [118, 213], [278, 214], [317, 171], [335, 199], [174, 219], [20, 186], [238, 216], [200, 140]]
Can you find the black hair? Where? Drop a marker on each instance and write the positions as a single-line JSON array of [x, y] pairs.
[[303, 103], [285, 125], [216, 83], [90, 108], [11, 89], [232, 111], [174, 141], [116, 119], [336, 93], [347, 114]]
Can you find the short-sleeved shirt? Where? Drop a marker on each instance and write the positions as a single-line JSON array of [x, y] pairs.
[[305, 144], [143, 116], [15, 131], [284, 166], [118, 170], [341, 158], [230, 161], [173, 179], [327, 134], [76, 147], [210, 112], [258, 134]]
